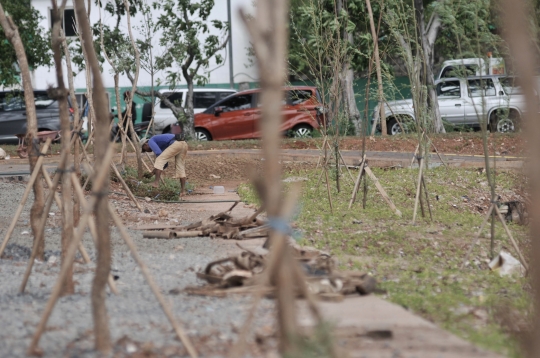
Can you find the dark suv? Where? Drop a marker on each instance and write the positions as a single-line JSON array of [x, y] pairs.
[[13, 114]]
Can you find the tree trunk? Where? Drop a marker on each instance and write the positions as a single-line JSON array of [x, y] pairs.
[[61, 96], [347, 81], [426, 72], [12, 34], [135, 139], [189, 125], [378, 68], [517, 34], [76, 115], [103, 264]]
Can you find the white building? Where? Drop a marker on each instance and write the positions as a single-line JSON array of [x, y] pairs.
[[218, 75]]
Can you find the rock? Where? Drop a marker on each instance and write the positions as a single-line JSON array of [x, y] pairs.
[[163, 213], [52, 259], [147, 199], [2, 154]]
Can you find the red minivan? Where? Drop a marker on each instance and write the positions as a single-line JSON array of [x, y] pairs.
[[237, 116]]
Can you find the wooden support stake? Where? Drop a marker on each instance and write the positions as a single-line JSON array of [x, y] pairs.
[[33, 177], [70, 254], [381, 190], [48, 180], [418, 186], [345, 164], [153, 286], [477, 236], [514, 243], [126, 188], [358, 180], [91, 225], [427, 197]]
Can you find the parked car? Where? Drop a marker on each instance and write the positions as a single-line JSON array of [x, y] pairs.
[[13, 114], [202, 99], [464, 101], [237, 116]]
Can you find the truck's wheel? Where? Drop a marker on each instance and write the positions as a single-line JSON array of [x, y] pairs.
[[202, 134], [393, 127], [504, 121]]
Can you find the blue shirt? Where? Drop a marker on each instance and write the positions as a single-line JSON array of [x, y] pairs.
[[160, 142]]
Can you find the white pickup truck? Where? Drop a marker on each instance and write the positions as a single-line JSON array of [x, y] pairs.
[[465, 101]]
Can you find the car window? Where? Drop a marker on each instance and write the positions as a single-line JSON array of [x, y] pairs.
[[221, 95], [481, 87], [296, 97], [174, 97], [459, 71], [237, 103], [15, 102], [449, 89], [511, 85], [203, 99]]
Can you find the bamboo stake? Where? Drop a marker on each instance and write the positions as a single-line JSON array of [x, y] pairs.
[[153, 286], [91, 225], [421, 164], [48, 180], [26, 193], [357, 183], [427, 197], [40, 232], [126, 188], [70, 254], [381, 190], [514, 243], [345, 164], [477, 236]]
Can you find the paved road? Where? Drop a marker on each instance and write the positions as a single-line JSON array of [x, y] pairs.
[[19, 167]]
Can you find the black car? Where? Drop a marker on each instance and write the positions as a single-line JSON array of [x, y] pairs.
[[13, 114]]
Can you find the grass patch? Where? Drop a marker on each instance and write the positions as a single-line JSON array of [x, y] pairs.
[[419, 265]]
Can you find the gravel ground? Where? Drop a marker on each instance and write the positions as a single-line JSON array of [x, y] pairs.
[[138, 325]]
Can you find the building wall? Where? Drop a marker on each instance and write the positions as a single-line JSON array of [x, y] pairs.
[[218, 75]]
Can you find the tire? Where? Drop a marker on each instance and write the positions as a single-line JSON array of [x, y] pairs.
[[501, 122], [393, 127], [302, 131], [202, 134]]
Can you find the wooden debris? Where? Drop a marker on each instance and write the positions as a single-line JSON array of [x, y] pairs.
[[222, 225], [242, 274]]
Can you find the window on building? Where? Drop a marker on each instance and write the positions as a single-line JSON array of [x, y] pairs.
[[68, 22]]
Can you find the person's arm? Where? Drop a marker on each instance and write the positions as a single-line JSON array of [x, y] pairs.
[[155, 148]]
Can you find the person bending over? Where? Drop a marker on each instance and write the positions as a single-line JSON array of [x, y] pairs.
[[167, 147]]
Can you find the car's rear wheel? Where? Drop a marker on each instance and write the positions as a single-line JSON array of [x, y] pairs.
[[202, 134], [504, 121], [302, 131]]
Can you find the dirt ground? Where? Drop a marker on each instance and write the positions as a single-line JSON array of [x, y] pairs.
[[451, 143]]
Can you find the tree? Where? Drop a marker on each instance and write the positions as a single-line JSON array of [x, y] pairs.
[[13, 46], [35, 40], [183, 24]]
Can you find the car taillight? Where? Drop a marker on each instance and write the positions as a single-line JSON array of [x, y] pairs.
[[71, 110]]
